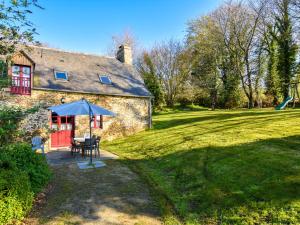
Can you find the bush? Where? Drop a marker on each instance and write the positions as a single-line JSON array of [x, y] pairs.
[[184, 101], [5, 80], [34, 164], [16, 196], [9, 118], [23, 173]]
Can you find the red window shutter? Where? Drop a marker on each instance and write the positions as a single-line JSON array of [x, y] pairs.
[[95, 121], [98, 121]]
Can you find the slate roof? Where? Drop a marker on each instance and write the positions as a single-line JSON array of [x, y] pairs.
[[83, 73]]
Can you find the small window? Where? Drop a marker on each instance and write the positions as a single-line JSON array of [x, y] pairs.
[[26, 71], [16, 71], [105, 80], [98, 122], [61, 75], [21, 80]]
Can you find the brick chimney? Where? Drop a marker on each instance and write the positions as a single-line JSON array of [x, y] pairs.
[[124, 54]]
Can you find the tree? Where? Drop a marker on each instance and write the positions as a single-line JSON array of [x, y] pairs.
[[242, 43], [270, 49], [4, 80], [243, 22], [272, 79], [147, 70], [287, 48], [260, 69], [16, 29], [203, 44], [295, 9], [170, 68], [230, 61]]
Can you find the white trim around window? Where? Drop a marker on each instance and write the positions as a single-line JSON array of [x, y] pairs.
[[58, 75], [104, 79]]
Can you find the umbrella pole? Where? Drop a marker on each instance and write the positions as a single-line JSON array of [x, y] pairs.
[[91, 152]]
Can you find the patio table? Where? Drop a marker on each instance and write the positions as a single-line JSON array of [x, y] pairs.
[[79, 139]]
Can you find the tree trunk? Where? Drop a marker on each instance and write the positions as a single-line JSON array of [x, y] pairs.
[[170, 102], [251, 102], [286, 93], [213, 97], [249, 83]]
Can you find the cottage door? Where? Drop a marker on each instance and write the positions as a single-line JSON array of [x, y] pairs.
[[64, 130]]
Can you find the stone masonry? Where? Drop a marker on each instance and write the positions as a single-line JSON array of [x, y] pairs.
[[132, 113]]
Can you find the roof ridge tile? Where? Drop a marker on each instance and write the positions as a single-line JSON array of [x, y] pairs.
[[72, 52]]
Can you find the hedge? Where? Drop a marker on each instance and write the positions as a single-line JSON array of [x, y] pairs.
[[23, 174]]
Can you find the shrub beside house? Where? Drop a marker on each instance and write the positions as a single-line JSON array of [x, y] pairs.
[[22, 172]]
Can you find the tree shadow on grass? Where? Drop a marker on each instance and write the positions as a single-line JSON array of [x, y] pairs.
[[251, 181], [165, 124], [192, 131]]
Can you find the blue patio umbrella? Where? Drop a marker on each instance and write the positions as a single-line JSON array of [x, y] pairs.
[[81, 107]]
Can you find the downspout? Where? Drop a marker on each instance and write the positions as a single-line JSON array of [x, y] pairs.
[[150, 112]]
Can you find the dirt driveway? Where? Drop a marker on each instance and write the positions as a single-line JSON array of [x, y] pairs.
[[108, 195]]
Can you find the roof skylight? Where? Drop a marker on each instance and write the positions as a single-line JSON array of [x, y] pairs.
[[61, 75], [105, 79]]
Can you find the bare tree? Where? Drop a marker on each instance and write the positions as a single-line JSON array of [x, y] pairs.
[[128, 38], [238, 24], [295, 7], [168, 58], [229, 59]]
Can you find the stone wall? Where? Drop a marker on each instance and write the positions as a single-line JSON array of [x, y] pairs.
[[132, 114]]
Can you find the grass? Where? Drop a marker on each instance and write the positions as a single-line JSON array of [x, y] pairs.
[[222, 167]]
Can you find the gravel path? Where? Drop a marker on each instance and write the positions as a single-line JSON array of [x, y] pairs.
[[108, 195]]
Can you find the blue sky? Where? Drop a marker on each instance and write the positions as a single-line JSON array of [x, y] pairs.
[[88, 25]]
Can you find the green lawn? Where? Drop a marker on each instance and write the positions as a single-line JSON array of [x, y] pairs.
[[229, 167]]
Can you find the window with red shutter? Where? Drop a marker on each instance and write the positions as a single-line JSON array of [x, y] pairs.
[[98, 121]]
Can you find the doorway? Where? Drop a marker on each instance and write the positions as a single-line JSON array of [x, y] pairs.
[[64, 127]]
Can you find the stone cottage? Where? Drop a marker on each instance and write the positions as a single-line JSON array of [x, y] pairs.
[[49, 77]]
